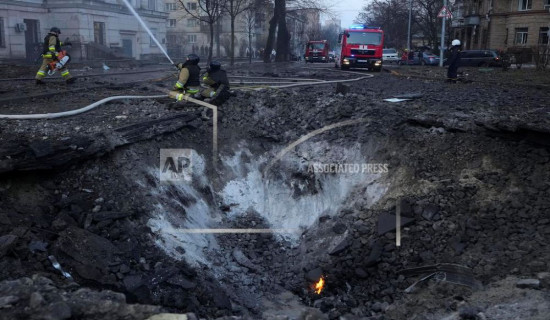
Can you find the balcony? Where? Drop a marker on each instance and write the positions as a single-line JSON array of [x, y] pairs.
[[457, 22], [471, 20]]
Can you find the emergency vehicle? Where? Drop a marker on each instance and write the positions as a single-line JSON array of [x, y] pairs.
[[317, 51], [361, 48]]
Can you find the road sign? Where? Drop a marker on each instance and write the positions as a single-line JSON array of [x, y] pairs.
[[444, 13]]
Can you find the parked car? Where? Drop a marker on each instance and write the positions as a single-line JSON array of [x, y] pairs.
[[480, 58], [331, 56], [390, 55], [427, 58]]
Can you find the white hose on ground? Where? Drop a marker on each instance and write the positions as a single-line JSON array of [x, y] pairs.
[[73, 112]]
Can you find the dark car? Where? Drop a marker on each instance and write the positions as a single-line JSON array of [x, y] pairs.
[[428, 58], [480, 58]]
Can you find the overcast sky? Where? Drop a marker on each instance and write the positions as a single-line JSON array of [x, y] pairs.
[[348, 10]]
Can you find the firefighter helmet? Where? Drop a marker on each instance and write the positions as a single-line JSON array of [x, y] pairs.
[[215, 65], [56, 30], [455, 42], [193, 59]]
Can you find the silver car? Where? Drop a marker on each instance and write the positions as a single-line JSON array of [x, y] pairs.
[[390, 55]]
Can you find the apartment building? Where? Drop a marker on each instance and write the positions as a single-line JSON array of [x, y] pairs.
[[96, 28], [501, 24], [183, 31]]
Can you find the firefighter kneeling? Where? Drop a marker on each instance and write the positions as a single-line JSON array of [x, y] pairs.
[[218, 85], [53, 58], [188, 80]]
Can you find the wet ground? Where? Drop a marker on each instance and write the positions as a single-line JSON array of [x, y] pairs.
[[468, 164]]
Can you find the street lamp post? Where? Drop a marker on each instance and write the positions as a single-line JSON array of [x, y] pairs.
[[409, 32], [441, 46]]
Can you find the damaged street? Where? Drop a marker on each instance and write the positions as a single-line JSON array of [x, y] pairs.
[[448, 219]]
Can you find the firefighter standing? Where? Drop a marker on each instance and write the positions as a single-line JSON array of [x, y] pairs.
[[454, 61], [218, 85], [52, 48], [189, 78]]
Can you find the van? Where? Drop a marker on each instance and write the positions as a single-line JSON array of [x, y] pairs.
[[480, 58]]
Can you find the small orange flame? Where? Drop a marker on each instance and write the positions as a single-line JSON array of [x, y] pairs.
[[319, 285]]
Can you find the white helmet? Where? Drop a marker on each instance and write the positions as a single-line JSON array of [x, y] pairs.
[[455, 42]]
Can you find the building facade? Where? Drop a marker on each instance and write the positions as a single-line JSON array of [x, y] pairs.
[[96, 28], [184, 34], [501, 24]]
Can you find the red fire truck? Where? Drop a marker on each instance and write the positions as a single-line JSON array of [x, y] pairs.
[[361, 48], [317, 51]]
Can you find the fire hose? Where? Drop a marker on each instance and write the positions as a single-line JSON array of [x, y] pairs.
[[186, 98]]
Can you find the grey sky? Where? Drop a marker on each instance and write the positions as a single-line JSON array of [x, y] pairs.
[[348, 10]]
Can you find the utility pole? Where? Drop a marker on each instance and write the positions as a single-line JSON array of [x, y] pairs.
[[441, 46], [409, 32]]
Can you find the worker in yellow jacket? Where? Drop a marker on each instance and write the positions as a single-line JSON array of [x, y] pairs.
[[51, 53], [189, 78]]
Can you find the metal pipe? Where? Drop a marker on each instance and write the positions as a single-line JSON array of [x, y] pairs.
[[409, 30]]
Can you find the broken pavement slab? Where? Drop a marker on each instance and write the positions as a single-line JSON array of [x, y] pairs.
[[7, 243], [414, 95], [86, 248], [314, 275], [528, 284], [387, 223], [241, 259]]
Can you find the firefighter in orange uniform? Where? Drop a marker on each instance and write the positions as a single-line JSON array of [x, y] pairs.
[[50, 53]]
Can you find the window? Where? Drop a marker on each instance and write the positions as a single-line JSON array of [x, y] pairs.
[[525, 5], [2, 39], [543, 35], [192, 23], [171, 23], [152, 4], [358, 37], [521, 35], [546, 4], [171, 7], [192, 38], [99, 32], [151, 41], [171, 39], [191, 6]]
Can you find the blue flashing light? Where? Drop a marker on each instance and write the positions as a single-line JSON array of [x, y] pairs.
[[362, 26]]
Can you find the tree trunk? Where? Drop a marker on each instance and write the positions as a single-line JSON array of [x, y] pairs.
[[232, 37], [283, 36], [250, 45], [218, 31], [211, 25], [270, 38]]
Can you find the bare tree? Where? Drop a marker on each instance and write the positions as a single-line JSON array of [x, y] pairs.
[[250, 26], [390, 15], [209, 12], [233, 9], [278, 23]]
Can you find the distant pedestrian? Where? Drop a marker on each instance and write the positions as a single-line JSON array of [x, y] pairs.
[[405, 56], [411, 56], [454, 61], [273, 54]]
